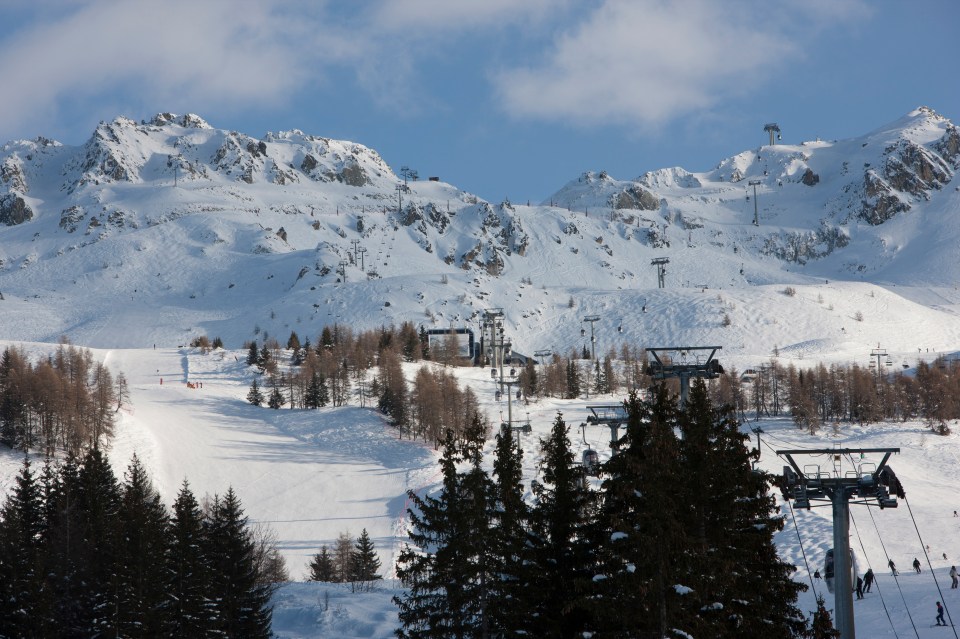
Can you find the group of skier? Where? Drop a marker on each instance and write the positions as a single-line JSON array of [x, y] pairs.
[[865, 583]]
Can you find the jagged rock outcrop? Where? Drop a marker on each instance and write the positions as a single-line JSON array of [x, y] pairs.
[[14, 210], [810, 178], [70, 218], [634, 197], [11, 174]]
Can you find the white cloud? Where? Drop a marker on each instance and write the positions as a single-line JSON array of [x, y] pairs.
[[174, 54], [644, 63], [430, 15]]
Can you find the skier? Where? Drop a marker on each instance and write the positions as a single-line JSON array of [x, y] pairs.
[[916, 564], [859, 587], [953, 576], [816, 574], [868, 579], [893, 568], [940, 621]]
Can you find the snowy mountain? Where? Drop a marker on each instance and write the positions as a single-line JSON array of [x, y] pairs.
[[155, 232], [200, 230]]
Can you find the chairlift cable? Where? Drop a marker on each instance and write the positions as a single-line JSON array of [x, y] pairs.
[[876, 581], [802, 551], [932, 573], [895, 580]]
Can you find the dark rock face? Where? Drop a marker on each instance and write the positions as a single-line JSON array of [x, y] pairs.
[[949, 146], [810, 178], [353, 174], [309, 163], [882, 202], [70, 218], [14, 210], [635, 198]]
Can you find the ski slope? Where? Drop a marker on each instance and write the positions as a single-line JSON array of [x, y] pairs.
[[310, 475]]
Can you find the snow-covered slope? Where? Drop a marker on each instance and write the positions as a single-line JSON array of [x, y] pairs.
[[155, 232]]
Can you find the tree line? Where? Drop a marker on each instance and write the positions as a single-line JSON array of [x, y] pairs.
[[824, 395], [65, 401], [674, 538], [84, 555]]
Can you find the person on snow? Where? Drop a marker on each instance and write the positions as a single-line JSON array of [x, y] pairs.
[[868, 579], [953, 576], [859, 587], [816, 574], [893, 568], [916, 564], [940, 621]]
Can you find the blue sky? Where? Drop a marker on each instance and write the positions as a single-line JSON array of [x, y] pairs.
[[503, 98]]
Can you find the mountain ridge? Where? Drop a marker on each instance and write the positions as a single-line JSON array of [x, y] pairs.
[[182, 228]]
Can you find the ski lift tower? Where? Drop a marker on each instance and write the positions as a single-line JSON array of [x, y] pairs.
[[882, 357], [661, 264], [672, 361], [593, 340], [754, 184], [613, 416], [870, 483], [772, 128]]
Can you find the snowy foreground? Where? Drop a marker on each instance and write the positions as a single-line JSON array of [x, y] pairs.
[[311, 475]]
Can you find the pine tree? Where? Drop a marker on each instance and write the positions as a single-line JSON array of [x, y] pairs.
[[365, 563], [141, 556], [558, 561], [733, 521], [642, 539], [573, 379], [65, 561], [96, 525], [276, 400], [24, 608], [255, 396], [822, 625], [241, 605], [447, 576], [188, 612], [508, 535], [321, 566], [253, 355]]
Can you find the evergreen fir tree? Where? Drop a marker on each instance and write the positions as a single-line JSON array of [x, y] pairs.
[[255, 396], [141, 556], [822, 625], [188, 612], [365, 564], [241, 605], [508, 535], [642, 537], [599, 379], [733, 521], [559, 559], [96, 525], [321, 566], [24, 608], [253, 356], [311, 398], [573, 379], [447, 576], [264, 360], [277, 400], [64, 564]]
